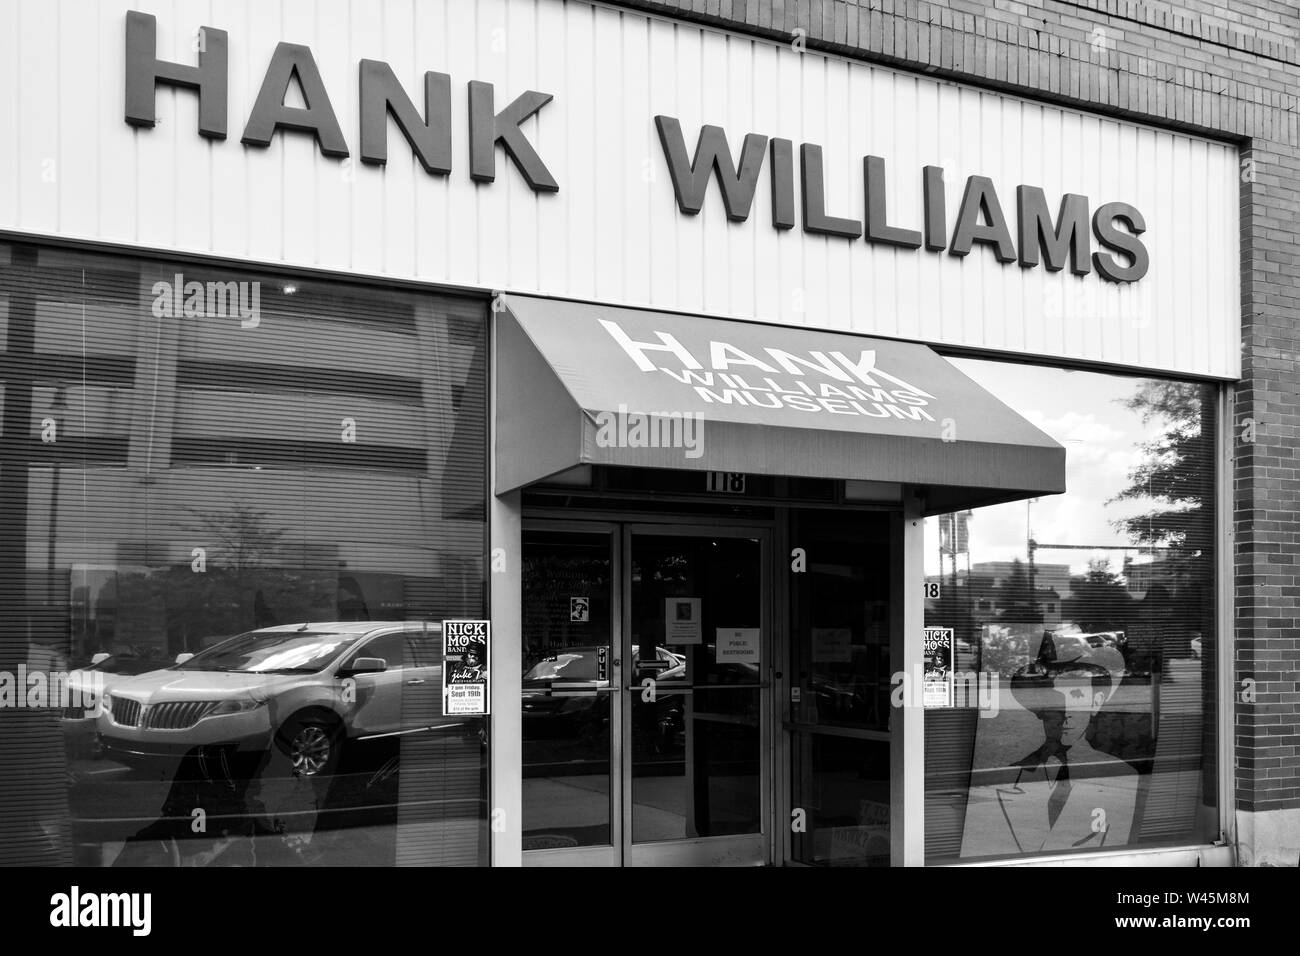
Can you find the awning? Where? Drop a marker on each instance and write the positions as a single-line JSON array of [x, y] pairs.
[[588, 384]]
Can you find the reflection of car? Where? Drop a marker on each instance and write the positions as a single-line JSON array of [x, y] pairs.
[[1070, 643], [1115, 639], [305, 688], [835, 699], [564, 695], [85, 684], [583, 665]]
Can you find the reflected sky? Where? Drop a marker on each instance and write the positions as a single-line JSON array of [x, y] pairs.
[[1085, 412]]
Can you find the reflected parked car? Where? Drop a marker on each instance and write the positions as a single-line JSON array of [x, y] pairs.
[[307, 689], [1070, 641], [565, 695], [85, 684], [1115, 639]]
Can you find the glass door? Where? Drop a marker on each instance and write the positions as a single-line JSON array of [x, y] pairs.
[[839, 729], [696, 740], [569, 706], [645, 695]]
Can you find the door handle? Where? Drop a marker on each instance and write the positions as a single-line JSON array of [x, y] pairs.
[[416, 680]]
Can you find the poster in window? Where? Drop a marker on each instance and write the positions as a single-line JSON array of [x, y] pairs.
[[1047, 774], [579, 610], [682, 621], [937, 679], [466, 665]]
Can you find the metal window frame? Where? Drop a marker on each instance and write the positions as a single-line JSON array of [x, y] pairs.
[[1225, 593], [1221, 852]]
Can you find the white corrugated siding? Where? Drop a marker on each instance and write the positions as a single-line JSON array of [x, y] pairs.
[[70, 166]]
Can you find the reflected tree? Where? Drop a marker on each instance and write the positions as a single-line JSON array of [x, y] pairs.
[[1175, 477], [248, 582], [242, 536], [1175, 480], [1016, 599], [1099, 600]]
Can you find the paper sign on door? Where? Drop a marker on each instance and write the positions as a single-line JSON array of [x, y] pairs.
[[738, 645], [682, 624], [832, 645]]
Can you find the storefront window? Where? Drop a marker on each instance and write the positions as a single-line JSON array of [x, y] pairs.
[[1083, 629], [236, 509]]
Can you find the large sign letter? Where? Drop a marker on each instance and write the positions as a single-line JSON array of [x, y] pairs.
[[487, 128], [144, 71], [712, 154], [290, 62]]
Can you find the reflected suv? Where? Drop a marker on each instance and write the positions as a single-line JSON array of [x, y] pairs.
[[306, 689], [100, 676], [564, 695]]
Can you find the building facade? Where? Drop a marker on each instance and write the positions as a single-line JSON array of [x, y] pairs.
[[856, 433]]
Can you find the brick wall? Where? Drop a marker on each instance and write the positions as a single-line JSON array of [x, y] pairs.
[[1228, 70]]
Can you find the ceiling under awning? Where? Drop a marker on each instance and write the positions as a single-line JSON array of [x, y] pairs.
[[585, 384]]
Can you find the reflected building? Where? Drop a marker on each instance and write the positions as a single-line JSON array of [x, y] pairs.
[[189, 475]]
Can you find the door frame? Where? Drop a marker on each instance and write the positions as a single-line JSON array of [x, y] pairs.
[[765, 847]]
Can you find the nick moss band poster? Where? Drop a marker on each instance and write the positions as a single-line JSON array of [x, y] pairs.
[[937, 686], [466, 666]]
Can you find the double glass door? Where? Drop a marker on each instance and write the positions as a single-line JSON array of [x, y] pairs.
[[646, 690]]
